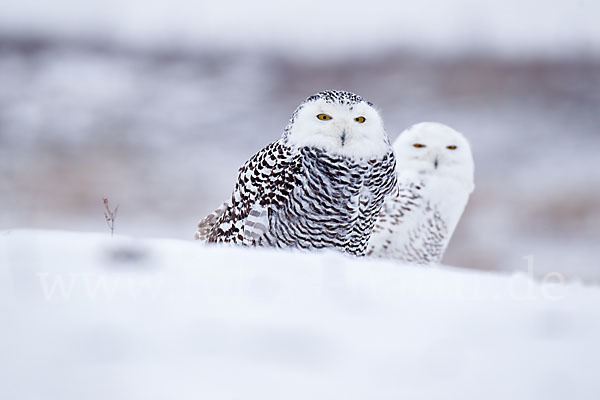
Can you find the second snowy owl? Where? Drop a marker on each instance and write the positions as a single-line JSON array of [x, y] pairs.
[[435, 179], [321, 185]]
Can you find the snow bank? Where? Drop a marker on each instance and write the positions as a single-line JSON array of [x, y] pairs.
[[85, 316]]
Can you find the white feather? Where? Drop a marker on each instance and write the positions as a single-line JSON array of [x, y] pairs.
[[435, 179], [364, 140]]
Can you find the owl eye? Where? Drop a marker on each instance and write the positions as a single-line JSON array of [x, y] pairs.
[[324, 117], [360, 120], [453, 147], [418, 145]]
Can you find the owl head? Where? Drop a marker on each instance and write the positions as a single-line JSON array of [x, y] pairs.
[[434, 149], [340, 123]]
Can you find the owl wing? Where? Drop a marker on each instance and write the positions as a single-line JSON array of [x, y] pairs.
[[398, 206], [256, 224], [207, 225], [403, 200], [263, 182]]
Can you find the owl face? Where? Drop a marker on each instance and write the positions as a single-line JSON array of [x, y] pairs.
[[340, 123], [434, 149]]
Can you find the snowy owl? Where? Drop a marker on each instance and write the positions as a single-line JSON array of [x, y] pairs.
[[321, 185], [435, 178]]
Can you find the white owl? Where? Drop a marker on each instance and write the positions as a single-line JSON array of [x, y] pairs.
[[435, 179], [321, 185]]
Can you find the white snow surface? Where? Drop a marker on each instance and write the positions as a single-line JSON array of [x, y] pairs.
[[87, 316]]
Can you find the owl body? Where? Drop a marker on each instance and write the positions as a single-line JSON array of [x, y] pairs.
[[321, 185], [435, 180]]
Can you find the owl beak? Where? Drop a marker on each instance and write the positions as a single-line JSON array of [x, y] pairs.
[[343, 137], [435, 163]]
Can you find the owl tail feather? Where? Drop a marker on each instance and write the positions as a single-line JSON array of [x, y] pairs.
[[208, 224]]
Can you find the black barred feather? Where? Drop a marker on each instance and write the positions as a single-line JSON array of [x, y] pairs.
[[426, 240], [303, 198]]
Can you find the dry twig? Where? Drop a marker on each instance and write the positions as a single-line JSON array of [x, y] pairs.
[[110, 216]]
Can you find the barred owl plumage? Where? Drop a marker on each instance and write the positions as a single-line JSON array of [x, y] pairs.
[[435, 179], [321, 185]]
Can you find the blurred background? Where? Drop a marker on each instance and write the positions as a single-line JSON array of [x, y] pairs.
[[155, 104]]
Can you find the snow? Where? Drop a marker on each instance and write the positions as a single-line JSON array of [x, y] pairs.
[[90, 316]]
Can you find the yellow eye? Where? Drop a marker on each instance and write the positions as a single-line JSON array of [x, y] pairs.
[[324, 117], [418, 145], [360, 120], [451, 147]]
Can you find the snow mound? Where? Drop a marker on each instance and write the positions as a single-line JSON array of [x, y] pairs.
[[86, 316]]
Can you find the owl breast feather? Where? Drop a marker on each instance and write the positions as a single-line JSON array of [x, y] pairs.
[[304, 198]]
